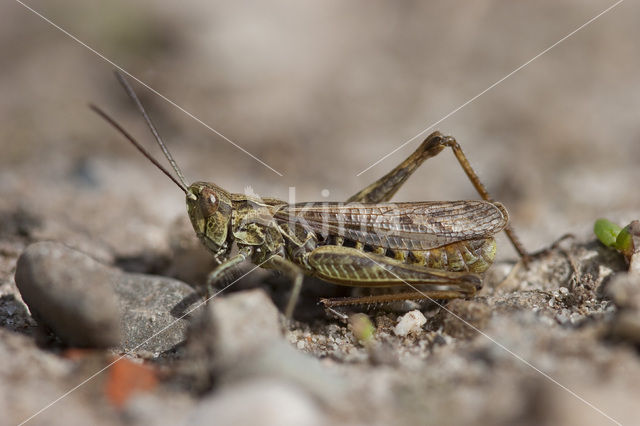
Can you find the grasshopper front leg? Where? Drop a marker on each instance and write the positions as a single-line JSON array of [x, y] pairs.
[[296, 275], [226, 269]]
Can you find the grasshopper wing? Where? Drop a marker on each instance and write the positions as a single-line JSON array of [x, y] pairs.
[[403, 226]]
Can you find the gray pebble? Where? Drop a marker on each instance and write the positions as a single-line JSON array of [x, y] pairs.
[[281, 360], [88, 304], [624, 290], [239, 322], [155, 311], [70, 293], [239, 338], [228, 327], [263, 402], [163, 407]]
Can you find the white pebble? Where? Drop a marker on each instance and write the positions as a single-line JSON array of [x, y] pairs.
[[634, 264], [410, 322]]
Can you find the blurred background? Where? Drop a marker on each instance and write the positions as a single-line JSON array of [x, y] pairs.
[[319, 92]]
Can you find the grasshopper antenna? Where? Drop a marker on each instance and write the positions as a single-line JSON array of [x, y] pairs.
[[127, 87], [135, 143]]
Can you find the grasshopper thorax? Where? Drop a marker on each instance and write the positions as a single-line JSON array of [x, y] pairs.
[[209, 208]]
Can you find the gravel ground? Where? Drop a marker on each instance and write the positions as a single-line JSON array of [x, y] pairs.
[[97, 258]]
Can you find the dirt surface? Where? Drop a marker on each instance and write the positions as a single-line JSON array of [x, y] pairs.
[[319, 93]]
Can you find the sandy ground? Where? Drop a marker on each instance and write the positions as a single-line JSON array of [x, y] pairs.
[[320, 92]]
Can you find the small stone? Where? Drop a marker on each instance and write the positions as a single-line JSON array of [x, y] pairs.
[[88, 304], [562, 318], [242, 321], [227, 328], [634, 263], [281, 360], [70, 293], [411, 322], [163, 407], [575, 318], [154, 311], [264, 402], [624, 291], [462, 318], [239, 338]]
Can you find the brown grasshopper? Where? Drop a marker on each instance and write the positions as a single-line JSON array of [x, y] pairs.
[[439, 249]]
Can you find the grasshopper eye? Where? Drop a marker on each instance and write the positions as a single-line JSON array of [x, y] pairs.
[[209, 201]]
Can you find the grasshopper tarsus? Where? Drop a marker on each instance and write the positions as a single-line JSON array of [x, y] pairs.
[[443, 247]]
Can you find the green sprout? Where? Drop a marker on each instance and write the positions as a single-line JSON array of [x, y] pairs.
[[607, 232], [362, 328], [611, 235]]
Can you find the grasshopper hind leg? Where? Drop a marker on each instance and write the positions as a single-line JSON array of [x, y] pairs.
[[353, 267], [385, 188], [378, 299]]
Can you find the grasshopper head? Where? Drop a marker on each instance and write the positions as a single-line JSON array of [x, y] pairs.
[[209, 208]]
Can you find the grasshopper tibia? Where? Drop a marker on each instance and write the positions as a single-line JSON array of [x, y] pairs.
[[378, 299]]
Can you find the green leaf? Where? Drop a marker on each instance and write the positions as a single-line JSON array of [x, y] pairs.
[[624, 241], [607, 232]]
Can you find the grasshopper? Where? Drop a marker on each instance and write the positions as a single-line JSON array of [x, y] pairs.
[[440, 249]]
